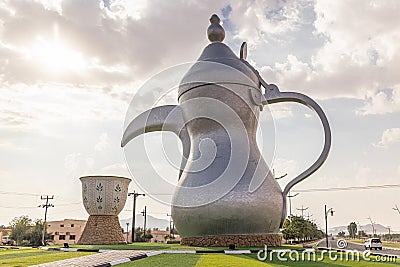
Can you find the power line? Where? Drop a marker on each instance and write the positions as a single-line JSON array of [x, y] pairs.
[[18, 193], [365, 187], [348, 188], [13, 207]]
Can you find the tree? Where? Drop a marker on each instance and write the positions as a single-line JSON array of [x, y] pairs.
[[35, 234], [341, 234], [300, 229], [146, 236], [26, 232], [361, 233], [20, 229], [352, 228]]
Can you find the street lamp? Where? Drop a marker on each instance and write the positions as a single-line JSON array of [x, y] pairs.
[[127, 232], [135, 195], [170, 226], [373, 227], [290, 202], [330, 210]]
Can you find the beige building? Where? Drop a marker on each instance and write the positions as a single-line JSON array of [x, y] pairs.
[[65, 231], [159, 236]]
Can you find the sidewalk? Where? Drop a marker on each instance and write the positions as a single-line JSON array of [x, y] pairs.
[[103, 259]]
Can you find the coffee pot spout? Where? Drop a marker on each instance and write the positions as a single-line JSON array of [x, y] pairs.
[[163, 118]]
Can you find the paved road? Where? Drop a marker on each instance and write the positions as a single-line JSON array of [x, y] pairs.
[[358, 247], [114, 256]]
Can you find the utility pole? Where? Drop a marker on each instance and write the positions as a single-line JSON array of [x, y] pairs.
[[397, 209], [144, 213], [46, 206], [302, 210], [373, 227], [326, 224], [309, 215], [127, 232], [361, 230], [135, 195], [390, 237], [290, 202], [171, 226]]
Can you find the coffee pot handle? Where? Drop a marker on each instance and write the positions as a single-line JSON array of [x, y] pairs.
[[273, 95]]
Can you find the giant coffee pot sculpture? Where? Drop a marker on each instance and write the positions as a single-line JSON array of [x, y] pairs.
[[226, 193]]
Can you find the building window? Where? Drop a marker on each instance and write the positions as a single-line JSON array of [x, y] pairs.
[[52, 237], [61, 237], [72, 237], [72, 225], [48, 225], [61, 225]]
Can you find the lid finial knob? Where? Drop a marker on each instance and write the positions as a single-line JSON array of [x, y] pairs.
[[215, 31]]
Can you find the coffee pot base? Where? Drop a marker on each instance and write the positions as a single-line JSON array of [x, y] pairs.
[[248, 240]]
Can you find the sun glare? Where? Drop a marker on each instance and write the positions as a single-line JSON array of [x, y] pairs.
[[56, 57]]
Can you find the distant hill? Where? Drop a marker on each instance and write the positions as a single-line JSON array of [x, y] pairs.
[[379, 229], [151, 222]]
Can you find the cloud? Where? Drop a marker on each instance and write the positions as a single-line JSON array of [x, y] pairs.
[[124, 42], [381, 102], [113, 45], [362, 172], [281, 111], [76, 163], [116, 169], [359, 52], [71, 161], [103, 143], [261, 20], [389, 137]]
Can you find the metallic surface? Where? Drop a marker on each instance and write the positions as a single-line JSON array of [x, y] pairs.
[[225, 186]]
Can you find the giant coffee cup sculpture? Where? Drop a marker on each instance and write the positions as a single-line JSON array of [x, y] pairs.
[[226, 193], [104, 198]]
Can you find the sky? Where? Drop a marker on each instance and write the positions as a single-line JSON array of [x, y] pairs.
[[70, 69]]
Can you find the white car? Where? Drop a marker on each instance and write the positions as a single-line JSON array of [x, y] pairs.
[[373, 243]]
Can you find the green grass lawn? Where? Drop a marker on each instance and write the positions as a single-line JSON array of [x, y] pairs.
[[221, 260], [26, 257], [384, 243], [32, 256]]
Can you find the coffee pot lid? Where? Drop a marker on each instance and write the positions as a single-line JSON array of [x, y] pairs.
[[218, 64]]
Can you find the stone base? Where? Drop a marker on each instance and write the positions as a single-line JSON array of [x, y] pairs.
[[102, 230], [254, 240]]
